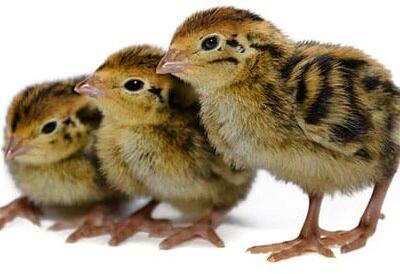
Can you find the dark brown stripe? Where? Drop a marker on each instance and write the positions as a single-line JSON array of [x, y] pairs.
[[232, 42], [319, 108], [351, 63], [301, 84], [67, 137], [90, 116], [288, 68], [355, 127], [371, 82], [157, 92], [363, 153], [389, 87], [15, 121], [273, 50], [272, 100], [227, 60]]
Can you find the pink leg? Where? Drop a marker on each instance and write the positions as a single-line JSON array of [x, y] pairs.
[[309, 239]]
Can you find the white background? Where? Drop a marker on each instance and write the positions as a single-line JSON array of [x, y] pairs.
[[42, 40]]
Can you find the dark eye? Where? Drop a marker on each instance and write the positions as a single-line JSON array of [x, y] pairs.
[[134, 85], [49, 127], [210, 43]]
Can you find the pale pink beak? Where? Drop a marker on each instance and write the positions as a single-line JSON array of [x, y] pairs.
[[89, 87], [174, 61], [15, 147]]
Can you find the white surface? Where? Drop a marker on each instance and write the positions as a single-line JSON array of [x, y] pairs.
[[43, 40]]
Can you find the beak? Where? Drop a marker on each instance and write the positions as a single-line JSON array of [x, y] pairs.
[[15, 147], [174, 61], [88, 87]]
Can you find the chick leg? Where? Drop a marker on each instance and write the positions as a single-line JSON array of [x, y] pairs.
[[141, 220], [358, 237], [20, 207], [95, 223], [203, 228], [309, 239]]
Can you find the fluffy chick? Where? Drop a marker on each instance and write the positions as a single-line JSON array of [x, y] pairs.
[[324, 117], [150, 144], [50, 153]]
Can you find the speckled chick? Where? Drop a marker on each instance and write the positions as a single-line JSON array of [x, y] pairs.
[[151, 143], [50, 154], [324, 117]]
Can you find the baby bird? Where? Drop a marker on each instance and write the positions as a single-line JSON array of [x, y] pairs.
[[151, 144], [324, 117], [50, 155]]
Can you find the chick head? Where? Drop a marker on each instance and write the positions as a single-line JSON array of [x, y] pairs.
[[211, 47], [48, 122], [127, 88]]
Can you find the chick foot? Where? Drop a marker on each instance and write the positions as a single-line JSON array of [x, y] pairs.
[[20, 207], [350, 240], [309, 239], [95, 223], [140, 221], [204, 228], [358, 237], [293, 248]]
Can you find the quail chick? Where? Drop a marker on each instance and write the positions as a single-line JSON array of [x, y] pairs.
[[324, 117], [151, 143], [50, 155]]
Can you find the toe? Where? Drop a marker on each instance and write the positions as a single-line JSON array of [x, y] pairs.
[[114, 241], [159, 228], [326, 252], [76, 236], [284, 254], [302, 247], [2, 223], [272, 247], [58, 226], [213, 237], [118, 238], [33, 217], [354, 245], [121, 234], [88, 230], [69, 224], [177, 238]]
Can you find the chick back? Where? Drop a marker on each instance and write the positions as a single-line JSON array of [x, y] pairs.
[[346, 102]]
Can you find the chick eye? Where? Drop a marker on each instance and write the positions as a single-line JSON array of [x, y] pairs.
[[210, 43], [49, 127], [133, 85]]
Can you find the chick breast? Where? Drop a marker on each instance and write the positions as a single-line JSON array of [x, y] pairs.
[[71, 182], [172, 163]]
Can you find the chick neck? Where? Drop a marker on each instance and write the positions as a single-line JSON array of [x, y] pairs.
[[259, 93]]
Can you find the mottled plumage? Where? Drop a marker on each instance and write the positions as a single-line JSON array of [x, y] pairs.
[[324, 117], [150, 144], [50, 153]]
